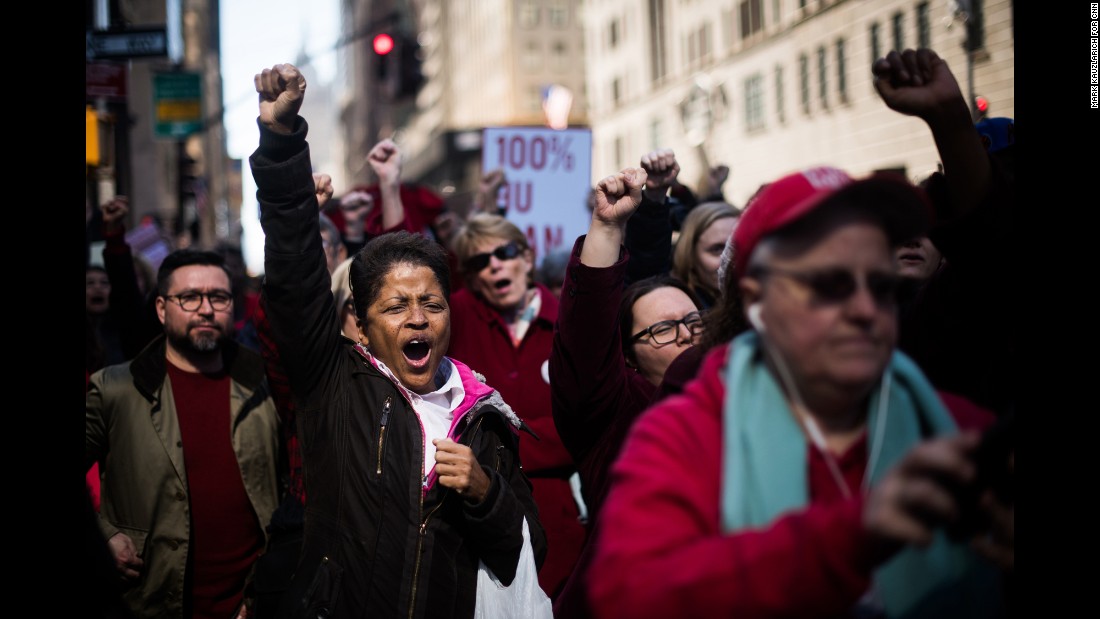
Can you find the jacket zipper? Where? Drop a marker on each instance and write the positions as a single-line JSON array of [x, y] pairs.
[[424, 526], [382, 432]]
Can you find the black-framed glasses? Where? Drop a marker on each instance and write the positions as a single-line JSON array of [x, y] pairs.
[[837, 285], [192, 301], [665, 332], [477, 262]]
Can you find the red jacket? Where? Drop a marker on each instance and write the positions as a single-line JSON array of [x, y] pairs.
[[662, 552], [480, 339], [595, 396]]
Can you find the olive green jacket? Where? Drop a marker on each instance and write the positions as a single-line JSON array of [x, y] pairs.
[[133, 432]]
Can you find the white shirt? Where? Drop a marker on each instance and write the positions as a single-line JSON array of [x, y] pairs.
[[435, 409]]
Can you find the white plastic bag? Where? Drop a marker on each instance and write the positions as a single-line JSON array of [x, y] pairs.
[[523, 598]]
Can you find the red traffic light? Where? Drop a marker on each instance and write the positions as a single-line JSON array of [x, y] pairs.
[[981, 103], [383, 44]]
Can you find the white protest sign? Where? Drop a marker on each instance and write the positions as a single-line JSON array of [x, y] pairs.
[[549, 177]]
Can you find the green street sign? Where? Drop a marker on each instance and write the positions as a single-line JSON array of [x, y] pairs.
[[177, 104]]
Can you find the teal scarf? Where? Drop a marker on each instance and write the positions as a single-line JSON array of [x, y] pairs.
[[765, 468]]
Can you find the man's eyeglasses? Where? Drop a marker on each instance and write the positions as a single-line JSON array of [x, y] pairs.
[[665, 332], [838, 285], [192, 301], [477, 262]]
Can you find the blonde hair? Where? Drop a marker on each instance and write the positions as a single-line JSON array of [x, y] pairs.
[[341, 284], [695, 224]]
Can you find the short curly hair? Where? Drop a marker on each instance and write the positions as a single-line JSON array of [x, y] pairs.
[[382, 253]]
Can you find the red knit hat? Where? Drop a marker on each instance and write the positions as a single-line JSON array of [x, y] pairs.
[[901, 207]]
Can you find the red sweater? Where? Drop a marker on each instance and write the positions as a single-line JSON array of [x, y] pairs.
[[226, 535], [662, 553]]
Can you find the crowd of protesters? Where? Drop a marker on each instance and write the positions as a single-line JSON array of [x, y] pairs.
[[802, 407]]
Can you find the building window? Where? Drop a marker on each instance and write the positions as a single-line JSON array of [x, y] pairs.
[[532, 56], [754, 103], [899, 32], [822, 78], [876, 44], [779, 103], [655, 134], [657, 37], [529, 13], [924, 35], [752, 17], [841, 79], [804, 82], [560, 57], [557, 14], [619, 157], [613, 33], [729, 28], [698, 45], [616, 91], [534, 99]]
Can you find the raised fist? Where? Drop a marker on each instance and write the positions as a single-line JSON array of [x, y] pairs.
[[282, 88], [661, 168], [618, 196]]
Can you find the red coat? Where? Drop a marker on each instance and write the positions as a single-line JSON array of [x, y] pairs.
[[480, 339], [595, 396], [662, 552]]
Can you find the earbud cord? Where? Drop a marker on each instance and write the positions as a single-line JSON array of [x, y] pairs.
[[814, 432], [880, 429]]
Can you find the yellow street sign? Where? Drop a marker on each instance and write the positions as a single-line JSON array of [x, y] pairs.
[[91, 139]]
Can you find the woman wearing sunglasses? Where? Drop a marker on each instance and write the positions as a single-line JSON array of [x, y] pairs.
[[810, 470], [504, 328]]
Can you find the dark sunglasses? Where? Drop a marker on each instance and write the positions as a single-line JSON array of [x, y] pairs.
[[477, 262], [838, 285]]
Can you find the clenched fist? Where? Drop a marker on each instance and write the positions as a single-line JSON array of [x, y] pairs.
[[282, 89]]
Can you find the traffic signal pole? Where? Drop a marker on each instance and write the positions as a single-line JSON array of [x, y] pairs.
[[105, 175]]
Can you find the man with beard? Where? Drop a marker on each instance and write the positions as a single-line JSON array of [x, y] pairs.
[[186, 437]]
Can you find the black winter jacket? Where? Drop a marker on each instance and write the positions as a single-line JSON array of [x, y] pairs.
[[375, 542]]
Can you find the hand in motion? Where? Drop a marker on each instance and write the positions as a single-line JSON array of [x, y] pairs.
[[662, 170], [322, 186], [716, 177], [114, 212], [917, 83], [385, 160], [915, 497], [356, 204], [618, 196], [127, 561], [999, 543], [459, 470], [486, 199], [282, 89]]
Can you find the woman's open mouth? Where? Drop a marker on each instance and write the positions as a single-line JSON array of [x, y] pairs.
[[417, 352]]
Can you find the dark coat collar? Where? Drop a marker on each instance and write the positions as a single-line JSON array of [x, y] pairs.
[[150, 366]]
